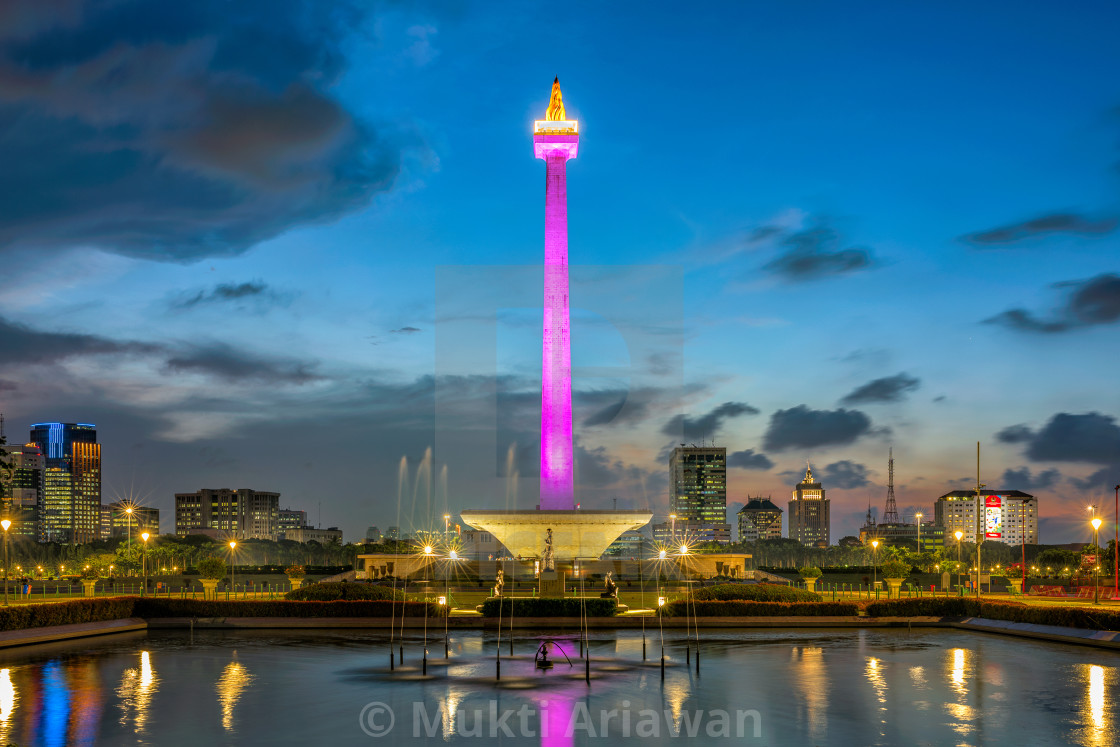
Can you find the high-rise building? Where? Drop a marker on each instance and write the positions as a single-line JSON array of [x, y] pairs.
[[760, 519], [291, 520], [71, 505], [23, 493], [1009, 516], [118, 521], [808, 518], [698, 492], [238, 514]]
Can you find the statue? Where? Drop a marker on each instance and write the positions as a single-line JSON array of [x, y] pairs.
[[499, 583], [555, 111], [612, 589], [549, 561]]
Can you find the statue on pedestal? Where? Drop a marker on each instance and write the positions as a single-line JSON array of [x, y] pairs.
[[499, 583], [549, 561], [611, 588]]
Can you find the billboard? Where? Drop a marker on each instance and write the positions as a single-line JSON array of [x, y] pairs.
[[993, 517]]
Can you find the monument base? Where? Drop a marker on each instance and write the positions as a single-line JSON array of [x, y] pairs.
[[551, 584]]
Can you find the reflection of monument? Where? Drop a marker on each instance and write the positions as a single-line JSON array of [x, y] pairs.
[[556, 528]]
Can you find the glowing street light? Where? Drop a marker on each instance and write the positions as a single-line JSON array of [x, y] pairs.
[[958, 534], [1096, 522], [6, 523], [233, 567], [144, 588], [875, 563]]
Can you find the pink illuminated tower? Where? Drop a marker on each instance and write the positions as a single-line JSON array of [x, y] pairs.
[[556, 139]]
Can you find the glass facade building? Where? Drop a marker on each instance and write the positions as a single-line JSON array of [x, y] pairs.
[[70, 510], [698, 493]]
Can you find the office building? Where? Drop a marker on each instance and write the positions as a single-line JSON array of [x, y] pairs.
[[311, 534], [698, 493], [1009, 516], [237, 514], [23, 492], [808, 512], [70, 510], [760, 519], [118, 521], [290, 519]]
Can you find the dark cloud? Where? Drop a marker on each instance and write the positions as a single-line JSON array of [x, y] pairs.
[[224, 362], [177, 131], [706, 426], [1102, 480], [1022, 479], [1088, 437], [887, 389], [256, 292], [1015, 434], [1041, 226], [22, 344], [845, 475], [814, 253], [405, 331], [749, 459], [1091, 302], [8, 386], [800, 427]]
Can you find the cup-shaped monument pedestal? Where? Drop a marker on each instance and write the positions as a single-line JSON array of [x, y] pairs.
[[894, 587], [88, 586], [810, 584], [209, 587], [296, 582]]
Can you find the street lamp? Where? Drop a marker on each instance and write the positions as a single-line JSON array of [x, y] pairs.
[[144, 588], [5, 523], [1096, 522], [958, 534], [875, 563], [128, 511], [919, 517], [233, 567]]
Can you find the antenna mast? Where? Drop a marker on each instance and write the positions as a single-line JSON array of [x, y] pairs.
[[890, 516]]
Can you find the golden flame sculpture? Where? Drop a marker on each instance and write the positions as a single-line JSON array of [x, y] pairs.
[[555, 104]]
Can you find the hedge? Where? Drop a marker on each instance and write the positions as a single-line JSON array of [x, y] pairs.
[[549, 607], [23, 616], [157, 607], [1070, 617], [755, 593], [735, 608], [329, 592]]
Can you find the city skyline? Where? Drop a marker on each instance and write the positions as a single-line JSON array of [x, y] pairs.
[[226, 244]]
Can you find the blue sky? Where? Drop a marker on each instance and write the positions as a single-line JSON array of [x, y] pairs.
[[283, 245]]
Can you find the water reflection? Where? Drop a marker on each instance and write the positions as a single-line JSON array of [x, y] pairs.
[[235, 678], [961, 714], [1097, 732], [812, 681], [7, 704], [136, 690]]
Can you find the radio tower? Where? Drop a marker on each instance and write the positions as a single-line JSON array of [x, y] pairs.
[[890, 516]]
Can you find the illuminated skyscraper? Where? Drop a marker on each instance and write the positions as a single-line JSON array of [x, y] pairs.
[[71, 504], [808, 513], [236, 514], [24, 492], [698, 492]]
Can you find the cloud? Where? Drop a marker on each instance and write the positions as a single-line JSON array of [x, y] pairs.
[[749, 459], [1022, 479], [405, 331], [1041, 226], [813, 253], [181, 131], [1092, 302], [223, 362], [22, 344], [706, 426], [8, 386], [845, 475], [802, 428], [1088, 437], [888, 389], [256, 292], [1102, 480]]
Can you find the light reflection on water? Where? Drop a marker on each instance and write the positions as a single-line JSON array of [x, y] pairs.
[[810, 687]]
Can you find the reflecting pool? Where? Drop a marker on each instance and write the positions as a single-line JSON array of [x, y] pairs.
[[811, 687]]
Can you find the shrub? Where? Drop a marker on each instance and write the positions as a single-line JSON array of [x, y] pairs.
[[682, 608], [1070, 617], [162, 607], [809, 571], [548, 607], [755, 593], [90, 574], [294, 571], [65, 613], [327, 592], [896, 569], [925, 607], [213, 569]]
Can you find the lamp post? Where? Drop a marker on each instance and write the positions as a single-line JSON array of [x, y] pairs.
[[427, 563], [918, 516], [875, 563], [128, 543], [451, 557], [5, 523], [1116, 551], [233, 567], [144, 567], [958, 534], [1096, 522]]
